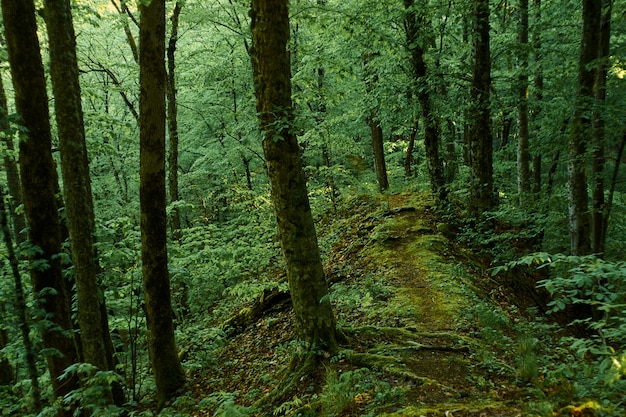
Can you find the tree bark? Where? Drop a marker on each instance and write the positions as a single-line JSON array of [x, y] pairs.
[[538, 90], [76, 179], [39, 183], [272, 80], [376, 130], [378, 150], [580, 131], [480, 139], [417, 43], [523, 141], [408, 158], [172, 122], [598, 209], [168, 373]]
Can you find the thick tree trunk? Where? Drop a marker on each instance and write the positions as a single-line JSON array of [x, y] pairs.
[[168, 373], [523, 141], [39, 183], [272, 80], [172, 122], [417, 43], [580, 131], [76, 179], [480, 139]]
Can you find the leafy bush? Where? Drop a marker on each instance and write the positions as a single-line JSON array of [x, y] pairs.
[[596, 366]]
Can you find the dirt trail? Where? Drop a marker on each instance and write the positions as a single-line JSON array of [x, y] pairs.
[[402, 295], [430, 309]]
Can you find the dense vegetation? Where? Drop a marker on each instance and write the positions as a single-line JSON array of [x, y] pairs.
[[312, 208]]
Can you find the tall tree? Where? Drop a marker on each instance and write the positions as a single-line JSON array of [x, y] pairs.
[[599, 213], [376, 129], [39, 183], [523, 135], [417, 43], [580, 130], [538, 89], [479, 136], [76, 180], [172, 120], [272, 80], [168, 373]]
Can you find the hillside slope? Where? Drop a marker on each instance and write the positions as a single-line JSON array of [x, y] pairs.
[[424, 336]]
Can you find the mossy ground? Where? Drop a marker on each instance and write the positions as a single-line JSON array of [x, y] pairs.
[[421, 341]]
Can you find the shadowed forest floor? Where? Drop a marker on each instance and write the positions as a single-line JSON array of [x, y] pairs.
[[430, 332]]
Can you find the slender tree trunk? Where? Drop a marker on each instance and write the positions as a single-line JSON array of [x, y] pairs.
[[378, 150], [39, 183], [376, 130], [125, 14], [482, 196], [580, 131], [12, 172], [538, 90], [523, 141], [598, 158], [76, 179], [272, 80], [172, 122], [417, 42], [20, 303], [611, 193], [168, 373], [408, 158]]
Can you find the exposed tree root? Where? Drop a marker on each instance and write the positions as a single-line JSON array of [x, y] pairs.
[[414, 338], [271, 300]]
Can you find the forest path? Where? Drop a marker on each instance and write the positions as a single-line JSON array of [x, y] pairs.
[[422, 330], [421, 342]]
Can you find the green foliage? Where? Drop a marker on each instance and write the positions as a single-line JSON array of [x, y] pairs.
[[94, 392], [596, 364]]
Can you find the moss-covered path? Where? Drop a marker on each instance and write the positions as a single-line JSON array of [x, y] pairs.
[[420, 323], [420, 341]]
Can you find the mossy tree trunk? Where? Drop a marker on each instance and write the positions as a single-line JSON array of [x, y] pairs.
[[580, 131], [376, 129], [168, 373], [172, 122], [272, 80], [523, 140], [480, 139], [417, 44], [39, 183], [76, 180], [599, 213]]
